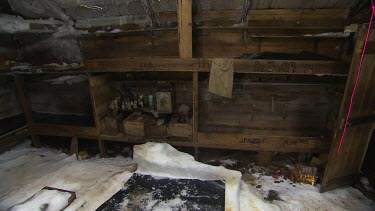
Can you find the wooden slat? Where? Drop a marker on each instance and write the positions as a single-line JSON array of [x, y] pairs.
[[142, 64], [26, 107], [276, 18], [263, 143], [203, 65], [14, 137], [138, 140], [64, 130], [185, 28], [237, 141]]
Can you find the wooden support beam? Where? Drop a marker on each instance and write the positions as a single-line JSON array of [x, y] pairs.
[[26, 107], [195, 112], [185, 28], [102, 149], [35, 140], [23, 98], [74, 146]]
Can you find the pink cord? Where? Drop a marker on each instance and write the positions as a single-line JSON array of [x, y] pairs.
[[357, 79]]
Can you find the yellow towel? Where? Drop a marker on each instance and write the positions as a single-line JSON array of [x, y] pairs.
[[221, 77]]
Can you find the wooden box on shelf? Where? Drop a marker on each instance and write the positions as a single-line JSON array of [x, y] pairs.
[[153, 130], [135, 124], [178, 129]]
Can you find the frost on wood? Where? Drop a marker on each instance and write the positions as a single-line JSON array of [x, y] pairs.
[[51, 50], [14, 24]]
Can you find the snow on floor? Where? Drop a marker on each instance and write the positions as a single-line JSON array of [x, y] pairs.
[[307, 197], [51, 200], [25, 171]]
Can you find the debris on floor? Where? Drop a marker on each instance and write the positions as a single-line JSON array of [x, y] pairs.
[[305, 174], [145, 192]]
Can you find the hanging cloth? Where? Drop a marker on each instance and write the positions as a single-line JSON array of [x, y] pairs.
[[221, 77]]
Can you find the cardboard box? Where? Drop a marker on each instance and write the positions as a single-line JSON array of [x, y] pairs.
[[178, 129], [135, 124]]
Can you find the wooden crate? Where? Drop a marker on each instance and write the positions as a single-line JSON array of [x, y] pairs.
[[135, 124], [113, 125], [152, 130], [180, 129]]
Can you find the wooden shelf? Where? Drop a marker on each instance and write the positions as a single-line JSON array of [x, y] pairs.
[[178, 141], [64, 130]]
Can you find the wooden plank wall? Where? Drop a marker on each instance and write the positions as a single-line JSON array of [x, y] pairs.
[[207, 44], [8, 51], [60, 98], [270, 106], [233, 43], [273, 18], [141, 44], [215, 34], [9, 103]]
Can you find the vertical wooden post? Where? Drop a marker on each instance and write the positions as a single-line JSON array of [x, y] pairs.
[[102, 150], [26, 107], [74, 146], [185, 34], [35, 139], [264, 158], [101, 143], [195, 111], [185, 28]]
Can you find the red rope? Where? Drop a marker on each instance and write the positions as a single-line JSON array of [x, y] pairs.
[[357, 79]]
